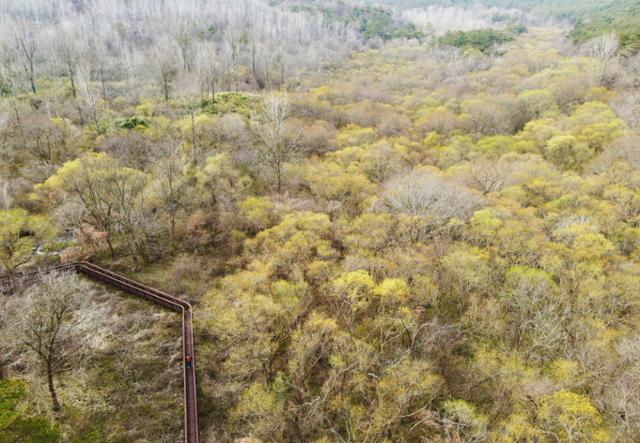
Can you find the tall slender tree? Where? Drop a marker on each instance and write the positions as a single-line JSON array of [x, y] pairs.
[[277, 135]]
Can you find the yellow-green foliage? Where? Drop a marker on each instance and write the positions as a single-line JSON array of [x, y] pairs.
[[571, 417], [353, 134], [20, 233], [260, 411], [258, 212], [466, 423], [453, 253], [566, 152], [363, 307]]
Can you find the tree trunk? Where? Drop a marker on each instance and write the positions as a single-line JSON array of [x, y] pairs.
[[253, 60], [104, 85], [279, 178], [173, 232], [52, 390], [32, 76], [113, 252], [193, 136], [213, 90], [73, 84], [237, 68], [18, 119]]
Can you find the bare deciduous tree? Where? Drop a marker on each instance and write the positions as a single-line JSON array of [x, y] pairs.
[[604, 47], [485, 175], [171, 184], [278, 137], [68, 54], [166, 69], [256, 43], [233, 40], [627, 107], [26, 46], [183, 37], [426, 193], [89, 95], [208, 70], [9, 75], [50, 326]]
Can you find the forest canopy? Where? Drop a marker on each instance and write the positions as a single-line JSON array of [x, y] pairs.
[[390, 230]]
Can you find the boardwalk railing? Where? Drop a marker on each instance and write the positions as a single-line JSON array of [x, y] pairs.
[[11, 283]]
